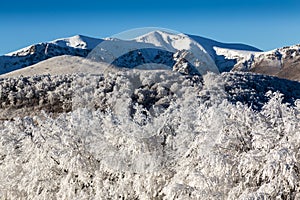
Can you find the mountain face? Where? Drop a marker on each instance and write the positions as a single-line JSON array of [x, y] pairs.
[[283, 62], [75, 46]]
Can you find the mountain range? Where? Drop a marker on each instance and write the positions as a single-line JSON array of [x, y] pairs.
[[188, 54]]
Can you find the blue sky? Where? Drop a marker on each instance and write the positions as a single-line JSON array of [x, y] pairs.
[[265, 24]]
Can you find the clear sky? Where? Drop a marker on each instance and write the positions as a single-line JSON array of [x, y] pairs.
[[266, 24]]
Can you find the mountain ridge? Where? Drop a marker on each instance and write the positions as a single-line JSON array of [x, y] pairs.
[[226, 56]]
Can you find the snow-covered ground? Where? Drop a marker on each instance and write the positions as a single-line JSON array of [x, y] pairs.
[[141, 134]]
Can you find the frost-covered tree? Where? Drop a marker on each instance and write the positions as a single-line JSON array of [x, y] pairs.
[[149, 135]]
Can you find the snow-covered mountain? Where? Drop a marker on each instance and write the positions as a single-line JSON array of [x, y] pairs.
[[77, 46], [184, 53], [187, 54]]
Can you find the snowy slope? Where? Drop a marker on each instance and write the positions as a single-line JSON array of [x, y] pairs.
[[221, 58], [59, 65], [199, 57]]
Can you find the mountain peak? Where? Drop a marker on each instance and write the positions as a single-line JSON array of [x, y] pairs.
[[158, 35], [78, 41]]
